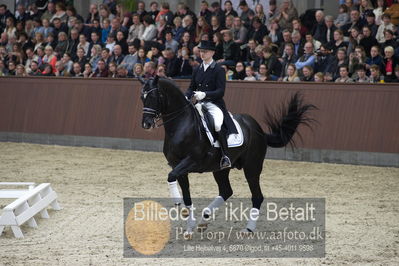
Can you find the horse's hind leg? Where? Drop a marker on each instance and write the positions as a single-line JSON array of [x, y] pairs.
[[225, 192], [252, 174]]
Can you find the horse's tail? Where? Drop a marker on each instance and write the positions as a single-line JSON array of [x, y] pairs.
[[284, 124]]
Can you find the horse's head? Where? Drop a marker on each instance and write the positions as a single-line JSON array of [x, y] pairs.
[[151, 97]]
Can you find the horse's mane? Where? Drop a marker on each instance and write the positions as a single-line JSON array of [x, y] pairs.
[[171, 88]]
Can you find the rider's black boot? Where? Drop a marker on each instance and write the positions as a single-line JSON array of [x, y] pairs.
[[225, 161]]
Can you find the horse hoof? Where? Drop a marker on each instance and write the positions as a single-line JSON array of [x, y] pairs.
[[188, 235], [202, 227], [185, 212]]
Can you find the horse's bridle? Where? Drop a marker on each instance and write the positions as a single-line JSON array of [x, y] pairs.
[[157, 113]]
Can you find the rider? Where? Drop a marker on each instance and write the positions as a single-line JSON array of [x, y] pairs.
[[208, 85]]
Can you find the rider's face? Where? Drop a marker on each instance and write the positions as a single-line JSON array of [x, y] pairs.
[[206, 55]]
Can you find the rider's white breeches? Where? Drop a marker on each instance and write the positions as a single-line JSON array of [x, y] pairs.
[[217, 115]]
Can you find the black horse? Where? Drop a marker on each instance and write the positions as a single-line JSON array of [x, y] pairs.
[[188, 150]]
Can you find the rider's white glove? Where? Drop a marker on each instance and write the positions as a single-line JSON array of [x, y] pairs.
[[199, 95]]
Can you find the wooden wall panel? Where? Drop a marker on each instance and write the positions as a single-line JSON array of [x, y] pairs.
[[355, 117]]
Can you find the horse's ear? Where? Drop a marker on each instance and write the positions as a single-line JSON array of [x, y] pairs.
[[141, 80], [156, 78]]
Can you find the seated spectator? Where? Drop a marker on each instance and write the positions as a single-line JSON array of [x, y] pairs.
[[153, 10], [378, 11], [370, 18], [149, 69], [338, 42], [189, 26], [320, 29], [34, 69], [229, 23], [390, 63], [307, 72], [155, 54], [316, 44], [48, 71], [141, 57], [88, 71], [361, 75], [246, 14], [367, 40], [323, 60], [131, 59], [67, 60], [73, 42], [10, 28], [50, 57], [30, 56], [339, 60], [83, 44], [239, 72], [389, 40], [249, 52], [287, 13], [286, 39], [297, 26], [262, 73], [11, 68], [101, 71], [105, 30], [170, 42], [271, 61], [20, 71], [215, 26], [375, 74], [166, 13], [81, 59], [171, 66], [298, 43], [355, 21], [275, 32], [202, 27], [95, 40], [77, 71], [138, 70], [396, 79], [184, 66], [250, 74], [308, 57], [229, 10], [354, 40], [288, 58], [122, 72], [60, 70], [343, 16], [62, 44], [258, 30], [260, 13], [386, 25], [50, 40], [364, 7], [110, 44], [186, 42], [60, 12], [121, 41], [161, 72], [375, 58], [217, 39], [39, 40], [343, 75], [93, 14], [162, 28], [112, 70], [178, 29], [47, 29], [319, 77], [3, 69], [292, 74], [117, 56], [40, 55], [358, 57], [231, 50], [136, 29]]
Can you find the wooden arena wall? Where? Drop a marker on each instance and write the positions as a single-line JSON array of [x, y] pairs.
[[351, 117]]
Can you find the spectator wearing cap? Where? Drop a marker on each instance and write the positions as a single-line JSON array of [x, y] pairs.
[[170, 42], [343, 16], [246, 13], [386, 25]]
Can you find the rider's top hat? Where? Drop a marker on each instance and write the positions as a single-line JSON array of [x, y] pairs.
[[207, 45]]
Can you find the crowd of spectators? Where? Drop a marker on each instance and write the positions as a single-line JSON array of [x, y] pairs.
[[49, 38]]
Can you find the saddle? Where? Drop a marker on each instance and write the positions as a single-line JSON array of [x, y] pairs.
[[208, 126]]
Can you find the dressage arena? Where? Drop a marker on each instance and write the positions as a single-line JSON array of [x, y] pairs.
[[362, 205]]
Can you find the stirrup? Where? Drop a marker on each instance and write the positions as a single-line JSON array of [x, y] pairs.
[[225, 162]]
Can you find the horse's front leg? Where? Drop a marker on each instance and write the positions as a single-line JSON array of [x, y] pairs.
[[180, 174]]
